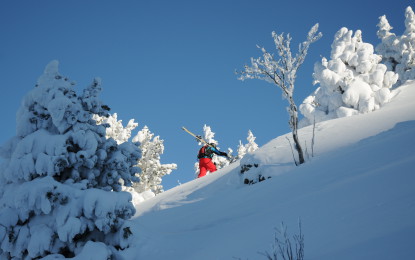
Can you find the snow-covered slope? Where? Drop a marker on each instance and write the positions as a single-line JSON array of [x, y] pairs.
[[355, 198]]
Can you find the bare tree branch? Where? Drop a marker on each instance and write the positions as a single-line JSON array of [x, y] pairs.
[[283, 73]]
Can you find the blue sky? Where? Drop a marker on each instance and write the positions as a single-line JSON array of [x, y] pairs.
[[169, 64]]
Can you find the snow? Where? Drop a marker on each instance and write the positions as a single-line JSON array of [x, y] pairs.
[[100, 251], [355, 198], [61, 176]]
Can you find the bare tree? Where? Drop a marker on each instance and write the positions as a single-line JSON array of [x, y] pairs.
[[282, 73]]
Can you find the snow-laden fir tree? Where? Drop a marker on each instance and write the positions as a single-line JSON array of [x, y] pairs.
[[115, 129], [353, 81], [208, 135], [398, 52], [152, 170], [60, 177], [219, 161], [250, 147], [121, 134], [151, 147], [282, 72], [241, 150]]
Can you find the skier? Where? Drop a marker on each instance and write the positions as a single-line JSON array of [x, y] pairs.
[[205, 158]]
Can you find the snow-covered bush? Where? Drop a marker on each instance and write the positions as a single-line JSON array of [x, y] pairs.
[[352, 82], [151, 168], [252, 173], [253, 176], [398, 52], [60, 178]]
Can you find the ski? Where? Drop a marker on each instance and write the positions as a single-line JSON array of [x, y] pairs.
[[198, 137]]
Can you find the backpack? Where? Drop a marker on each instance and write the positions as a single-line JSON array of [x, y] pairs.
[[203, 152]]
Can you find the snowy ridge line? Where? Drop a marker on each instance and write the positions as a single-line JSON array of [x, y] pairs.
[[361, 188], [273, 156]]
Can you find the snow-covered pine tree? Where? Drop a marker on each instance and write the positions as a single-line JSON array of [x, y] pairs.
[[251, 146], [115, 129], [151, 168], [121, 134], [255, 175], [352, 82], [241, 150], [398, 52], [208, 135], [151, 147], [60, 177], [282, 73]]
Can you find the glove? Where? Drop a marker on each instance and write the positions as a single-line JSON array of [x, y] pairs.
[[224, 154]]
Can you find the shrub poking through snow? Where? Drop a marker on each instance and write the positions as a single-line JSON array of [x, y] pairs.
[[252, 177], [285, 247], [60, 177], [353, 81]]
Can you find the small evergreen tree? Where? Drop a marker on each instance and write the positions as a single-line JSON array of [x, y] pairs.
[[398, 52], [352, 82], [251, 146], [60, 177], [241, 150], [115, 129], [151, 169], [152, 147]]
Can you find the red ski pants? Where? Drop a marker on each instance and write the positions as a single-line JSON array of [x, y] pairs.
[[205, 165]]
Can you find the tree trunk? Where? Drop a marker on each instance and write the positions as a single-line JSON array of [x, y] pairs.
[[298, 147], [294, 126]]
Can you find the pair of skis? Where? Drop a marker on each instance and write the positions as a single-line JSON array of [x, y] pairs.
[[200, 139]]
